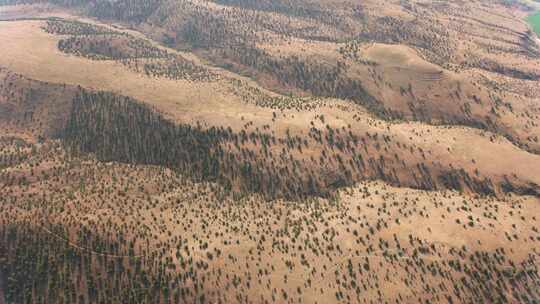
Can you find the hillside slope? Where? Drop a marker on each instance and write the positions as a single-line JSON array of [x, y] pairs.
[[240, 151]]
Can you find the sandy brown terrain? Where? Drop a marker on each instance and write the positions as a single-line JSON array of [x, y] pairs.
[[333, 153], [358, 246], [213, 104]]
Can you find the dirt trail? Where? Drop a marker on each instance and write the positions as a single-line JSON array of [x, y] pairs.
[[75, 246]]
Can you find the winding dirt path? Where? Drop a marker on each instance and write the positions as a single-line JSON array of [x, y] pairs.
[[80, 248]]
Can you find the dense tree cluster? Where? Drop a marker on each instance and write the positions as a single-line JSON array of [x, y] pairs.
[[38, 267], [125, 10], [319, 79], [104, 200], [233, 32], [113, 233], [110, 47], [73, 27], [100, 43], [118, 128]]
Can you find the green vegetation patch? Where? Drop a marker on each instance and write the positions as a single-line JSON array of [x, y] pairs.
[[534, 20]]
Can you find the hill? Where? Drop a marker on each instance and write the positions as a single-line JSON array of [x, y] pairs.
[[268, 152]]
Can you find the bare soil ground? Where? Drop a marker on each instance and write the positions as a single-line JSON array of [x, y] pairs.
[[216, 103], [391, 225], [359, 246]]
